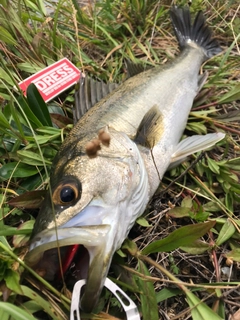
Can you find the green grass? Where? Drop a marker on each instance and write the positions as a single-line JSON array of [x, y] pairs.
[[163, 266]]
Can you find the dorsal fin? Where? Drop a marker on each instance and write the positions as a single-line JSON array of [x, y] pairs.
[[151, 128], [134, 68], [88, 93]]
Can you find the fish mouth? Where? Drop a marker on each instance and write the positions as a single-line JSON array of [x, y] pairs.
[[94, 239]]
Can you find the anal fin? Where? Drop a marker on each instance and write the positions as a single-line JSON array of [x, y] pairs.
[[194, 144], [151, 128], [202, 78]]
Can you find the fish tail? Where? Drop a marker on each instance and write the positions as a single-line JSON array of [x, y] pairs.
[[197, 32]]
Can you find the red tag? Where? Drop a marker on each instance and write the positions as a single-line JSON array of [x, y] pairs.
[[54, 79]]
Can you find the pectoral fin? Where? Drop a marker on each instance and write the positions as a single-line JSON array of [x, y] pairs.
[[151, 128], [194, 144]]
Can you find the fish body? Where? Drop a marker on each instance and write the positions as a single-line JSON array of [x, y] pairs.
[[94, 201]]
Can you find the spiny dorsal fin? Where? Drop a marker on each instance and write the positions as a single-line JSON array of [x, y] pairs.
[[134, 68], [151, 128], [89, 92]]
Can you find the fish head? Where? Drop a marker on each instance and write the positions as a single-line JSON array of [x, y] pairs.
[[93, 202]]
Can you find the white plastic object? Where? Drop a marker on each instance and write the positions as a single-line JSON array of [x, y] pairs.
[[128, 305]]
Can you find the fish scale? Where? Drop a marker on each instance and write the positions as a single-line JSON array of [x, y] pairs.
[[144, 118], [123, 109]]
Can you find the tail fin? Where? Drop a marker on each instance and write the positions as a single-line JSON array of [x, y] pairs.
[[197, 32]]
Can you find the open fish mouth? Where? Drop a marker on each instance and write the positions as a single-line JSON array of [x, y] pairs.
[[93, 257], [43, 255], [90, 236]]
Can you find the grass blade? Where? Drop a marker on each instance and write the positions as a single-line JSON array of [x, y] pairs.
[[38, 106], [199, 310], [16, 312], [148, 296], [178, 238]]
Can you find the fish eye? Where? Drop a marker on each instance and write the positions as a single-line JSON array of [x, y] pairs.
[[66, 194]]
